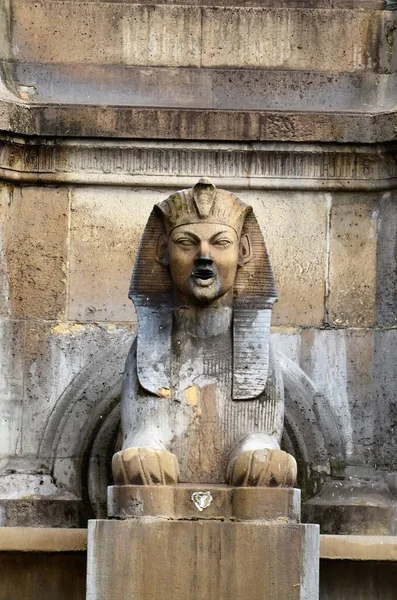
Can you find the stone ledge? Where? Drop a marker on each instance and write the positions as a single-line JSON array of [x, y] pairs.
[[169, 164], [358, 547], [346, 4], [196, 124], [332, 547], [37, 539]]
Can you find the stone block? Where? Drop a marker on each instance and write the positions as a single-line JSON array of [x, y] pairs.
[[35, 229], [339, 364], [152, 559], [42, 539], [290, 39], [353, 260], [359, 548], [294, 227], [5, 301], [352, 508], [385, 401], [182, 501], [106, 227], [106, 33], [72, 372], [5, 48], [42, 511], [386, 313], [12, 339], [192, 36]]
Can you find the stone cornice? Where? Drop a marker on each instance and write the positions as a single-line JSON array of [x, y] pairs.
[[313, 4], [196, 124], [163, 164]]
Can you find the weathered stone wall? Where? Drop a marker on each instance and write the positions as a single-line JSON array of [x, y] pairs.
[[63, 576], [303, 70], [300, 122], [67, 255], [52, 563]]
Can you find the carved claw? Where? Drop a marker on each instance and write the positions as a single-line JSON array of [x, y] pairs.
[[145, 466], [262, 468]]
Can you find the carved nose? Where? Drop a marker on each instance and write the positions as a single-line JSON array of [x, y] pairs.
[[203, 252], [203, 261]]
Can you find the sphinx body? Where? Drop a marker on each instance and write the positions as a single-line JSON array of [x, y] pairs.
[[201, 401]]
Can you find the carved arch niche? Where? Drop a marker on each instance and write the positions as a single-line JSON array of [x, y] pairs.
[[81, 434]]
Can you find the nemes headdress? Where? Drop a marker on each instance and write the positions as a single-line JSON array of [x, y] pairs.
[[254, 290], [203, 203]]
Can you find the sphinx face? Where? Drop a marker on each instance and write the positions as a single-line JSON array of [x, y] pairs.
[[203, 259]]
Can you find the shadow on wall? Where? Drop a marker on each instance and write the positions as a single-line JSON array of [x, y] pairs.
[[81, 435]]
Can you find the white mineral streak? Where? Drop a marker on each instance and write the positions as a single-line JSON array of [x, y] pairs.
[[11, 389], [326, 368]]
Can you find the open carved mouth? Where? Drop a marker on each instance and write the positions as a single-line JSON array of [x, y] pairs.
[[204, 273]]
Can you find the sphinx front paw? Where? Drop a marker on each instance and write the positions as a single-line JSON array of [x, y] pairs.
[[145, 466], [262, 468]]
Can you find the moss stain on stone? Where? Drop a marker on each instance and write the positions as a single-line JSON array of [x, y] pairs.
[[390, 40]]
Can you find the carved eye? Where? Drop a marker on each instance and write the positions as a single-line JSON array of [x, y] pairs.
[[223, 243], [184, 242]]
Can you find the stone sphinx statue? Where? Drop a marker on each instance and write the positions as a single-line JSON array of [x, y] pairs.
[[202, 401]]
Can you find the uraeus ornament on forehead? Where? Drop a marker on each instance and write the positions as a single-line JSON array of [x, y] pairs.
[[254, 291], [203, 203]]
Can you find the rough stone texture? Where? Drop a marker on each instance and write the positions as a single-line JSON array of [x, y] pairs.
[[295, 230], [72, 378], [352, 371], [58, 510], [353, 507], [124, 33], [59, 381], [290, 39], [35, 226], [259, 560], [57, 569], [55, 354], [385, 402], [172, 123], [305, 87], [217, 88], [386, 268], [341, 383], [353, 261], [195, 36], [260, 125], [12, 339], [341, 366], [332, 547], [106, 226], [5, 49]]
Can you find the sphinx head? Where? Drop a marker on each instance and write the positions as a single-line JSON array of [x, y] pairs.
[[203, 244]]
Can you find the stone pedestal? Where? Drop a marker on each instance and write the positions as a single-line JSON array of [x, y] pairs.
[[202, 543]]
